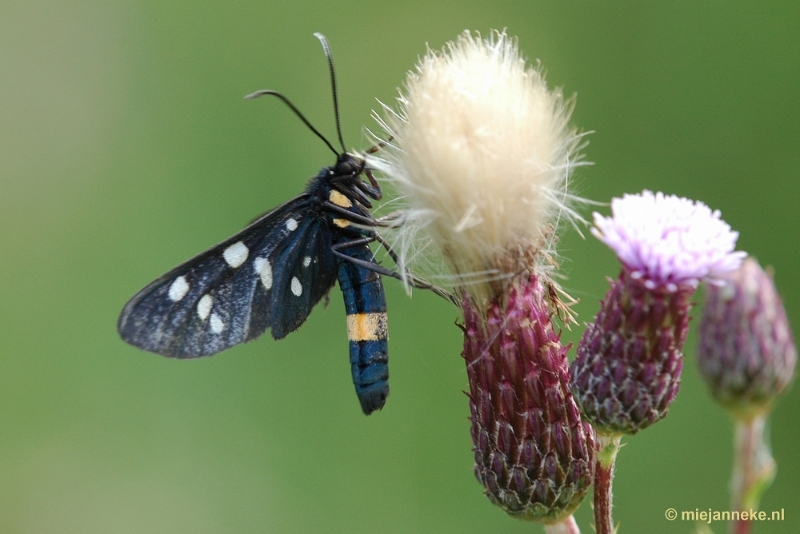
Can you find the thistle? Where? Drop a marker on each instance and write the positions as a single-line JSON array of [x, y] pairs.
[[630, 359], [629, 362], [746, 351], [482, 153], [747, 356]]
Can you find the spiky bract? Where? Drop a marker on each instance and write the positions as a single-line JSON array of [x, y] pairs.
[[628, 368], [533, 453]]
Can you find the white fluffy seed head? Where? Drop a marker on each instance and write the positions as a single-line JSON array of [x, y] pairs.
[[482, 152]]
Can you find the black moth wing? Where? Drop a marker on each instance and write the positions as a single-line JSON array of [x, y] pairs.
[[304, 272], [234, 291]]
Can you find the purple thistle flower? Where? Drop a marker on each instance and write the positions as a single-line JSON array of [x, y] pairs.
[[627, 371], [667, 240], [746, 351]]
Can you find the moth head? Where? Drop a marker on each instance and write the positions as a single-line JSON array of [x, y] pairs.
[[347, 165]]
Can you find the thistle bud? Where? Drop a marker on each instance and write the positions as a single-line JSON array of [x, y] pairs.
[[629, 362], [746, 352], [482, 153]]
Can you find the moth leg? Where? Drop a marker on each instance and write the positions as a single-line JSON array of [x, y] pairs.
[[376, 188], [415, 282], [379, 145], [374, 191], [371, 189], [391, 217], [354, 217], [412, 280], [362, 199]]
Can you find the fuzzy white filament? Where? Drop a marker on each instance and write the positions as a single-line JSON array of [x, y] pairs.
[[482, 153], [668, 240]]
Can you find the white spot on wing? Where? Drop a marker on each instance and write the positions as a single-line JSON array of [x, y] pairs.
[[236, 254], [178, 289], [264, 270], [291, 224], [306, 261], [297, 289], [204, 306], [216, 323]]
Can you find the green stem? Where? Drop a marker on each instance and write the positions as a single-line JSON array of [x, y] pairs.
[[753, 468], [608, 447], [565, 526]]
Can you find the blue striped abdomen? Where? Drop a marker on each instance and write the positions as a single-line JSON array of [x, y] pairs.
[[365, 304]]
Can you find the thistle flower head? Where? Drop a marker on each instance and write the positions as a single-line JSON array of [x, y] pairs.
[[629, 361], [746, 351], [482, 152], [533, 453], [667, 240]]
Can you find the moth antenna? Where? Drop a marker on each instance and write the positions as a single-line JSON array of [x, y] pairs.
[[326, 47], [270, 92]]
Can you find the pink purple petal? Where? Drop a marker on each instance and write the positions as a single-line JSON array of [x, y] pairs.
[[668, 240]]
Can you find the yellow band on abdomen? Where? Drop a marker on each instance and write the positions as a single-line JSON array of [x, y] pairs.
[[366, 326]]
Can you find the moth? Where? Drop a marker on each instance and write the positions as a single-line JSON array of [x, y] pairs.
[[272, 274]]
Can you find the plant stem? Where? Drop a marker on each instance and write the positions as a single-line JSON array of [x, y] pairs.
[[753, 468], [565, 526], [608, 446]]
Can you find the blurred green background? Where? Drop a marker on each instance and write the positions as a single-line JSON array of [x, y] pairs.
[[126, 148]]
